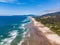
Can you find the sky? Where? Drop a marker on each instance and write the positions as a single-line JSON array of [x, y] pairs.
[[24, 7]]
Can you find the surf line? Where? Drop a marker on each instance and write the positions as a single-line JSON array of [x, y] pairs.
[[25, 35]]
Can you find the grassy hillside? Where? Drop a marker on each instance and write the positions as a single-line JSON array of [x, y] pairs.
[[51, 20]]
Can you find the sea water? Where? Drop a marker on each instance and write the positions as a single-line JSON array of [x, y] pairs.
[[13, 29]]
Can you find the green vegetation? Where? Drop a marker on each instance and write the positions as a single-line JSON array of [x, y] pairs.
[[51, 21]]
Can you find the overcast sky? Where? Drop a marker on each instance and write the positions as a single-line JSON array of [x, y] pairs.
[[21, 7]]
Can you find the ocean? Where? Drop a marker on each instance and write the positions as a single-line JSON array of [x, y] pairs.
[[13, 29]]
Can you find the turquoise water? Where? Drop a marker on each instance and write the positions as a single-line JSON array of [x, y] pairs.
[[12, 29]]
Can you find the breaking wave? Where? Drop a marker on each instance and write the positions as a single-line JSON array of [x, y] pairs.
[[16, 33]]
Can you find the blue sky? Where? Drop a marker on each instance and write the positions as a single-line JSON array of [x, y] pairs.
[[21, 7]]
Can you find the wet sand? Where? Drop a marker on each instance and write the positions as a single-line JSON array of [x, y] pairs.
[[36, 37]]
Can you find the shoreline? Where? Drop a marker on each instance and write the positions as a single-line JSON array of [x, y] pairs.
[[36, 37], [40, 35], [25, 35], [50, 35]]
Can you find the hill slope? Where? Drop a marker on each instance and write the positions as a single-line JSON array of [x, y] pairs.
[[51, 20]]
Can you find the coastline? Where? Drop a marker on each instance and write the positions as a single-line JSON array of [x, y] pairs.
[[40, 35], [36, 37], [53, 38]]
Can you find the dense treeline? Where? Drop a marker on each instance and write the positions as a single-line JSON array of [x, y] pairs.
[[51, 21]]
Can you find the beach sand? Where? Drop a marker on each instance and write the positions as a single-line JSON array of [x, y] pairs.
[[36, 37], [40, 35]]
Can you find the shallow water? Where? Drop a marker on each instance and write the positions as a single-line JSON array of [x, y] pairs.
[[13, 29]]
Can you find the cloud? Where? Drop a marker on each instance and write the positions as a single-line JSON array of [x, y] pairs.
[[55, 9], [12, 1], [2, 0], [8, 1], [52, 10]]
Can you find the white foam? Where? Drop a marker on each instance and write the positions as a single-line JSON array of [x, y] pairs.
[[7, 41], [24, 20], [13, 33], [24, 35], [22, 26], [22, 39], [21, 42], [27, 19]]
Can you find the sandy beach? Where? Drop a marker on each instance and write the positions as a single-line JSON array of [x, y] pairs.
[[39, 36], [36, 37]]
